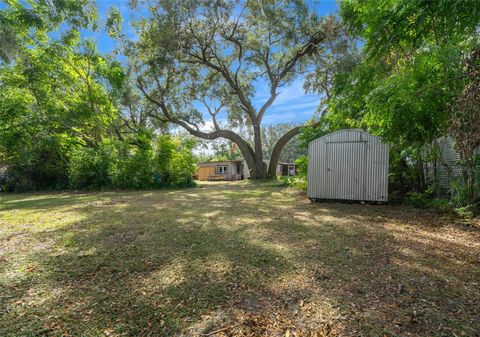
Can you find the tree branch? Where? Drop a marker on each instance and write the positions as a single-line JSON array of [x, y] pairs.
[[275, 80], [306, 49], [280, 144], [244, 146], [273, 87], [232, 80]]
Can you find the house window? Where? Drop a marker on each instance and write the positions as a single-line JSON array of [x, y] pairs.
[[291, 170], [222, 169]]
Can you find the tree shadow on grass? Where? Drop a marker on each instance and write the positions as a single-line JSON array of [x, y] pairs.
[[39, 202], [144, 273], [166, 263], [391, 270]]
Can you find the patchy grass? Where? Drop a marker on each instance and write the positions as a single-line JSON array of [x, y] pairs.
[[240, 259]]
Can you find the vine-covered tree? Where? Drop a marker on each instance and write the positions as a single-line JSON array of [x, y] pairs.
[[212, 53], [466, 123]]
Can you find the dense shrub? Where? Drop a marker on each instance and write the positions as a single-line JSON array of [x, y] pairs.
[[300, 180], [168, 162], [176, 162], [92, 167], [39, 168], [135, 168], [461, 191]]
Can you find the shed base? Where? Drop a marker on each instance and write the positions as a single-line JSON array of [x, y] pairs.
[[347, 201]]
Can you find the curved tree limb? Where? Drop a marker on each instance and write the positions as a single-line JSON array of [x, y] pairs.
[[280, 144], [244, 147]]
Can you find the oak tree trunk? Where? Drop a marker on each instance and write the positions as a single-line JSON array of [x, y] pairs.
[[259, 165], [277, 150]]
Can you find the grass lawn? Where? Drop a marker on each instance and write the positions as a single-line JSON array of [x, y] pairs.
[[242, 259]]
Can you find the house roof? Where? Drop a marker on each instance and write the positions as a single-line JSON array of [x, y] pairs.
[[236, 161], [222, 161]]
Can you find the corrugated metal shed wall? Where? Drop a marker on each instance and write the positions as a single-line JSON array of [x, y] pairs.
[[348, 165], [447, 164]]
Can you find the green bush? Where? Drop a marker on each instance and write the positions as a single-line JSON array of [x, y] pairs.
[[113, 164], [425, 199], [135, 168], [93, 167], [302, 166], [300, 180], [37, 168], [175, 163]]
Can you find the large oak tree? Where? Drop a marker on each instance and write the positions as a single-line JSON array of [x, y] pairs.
[[194, 55]]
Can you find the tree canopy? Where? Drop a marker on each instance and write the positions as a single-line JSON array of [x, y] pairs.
[[210, 54], [62, 101]]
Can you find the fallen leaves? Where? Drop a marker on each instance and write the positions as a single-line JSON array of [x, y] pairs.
[[268, 264]]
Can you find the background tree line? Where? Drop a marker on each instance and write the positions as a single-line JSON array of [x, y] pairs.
[[407, 71]]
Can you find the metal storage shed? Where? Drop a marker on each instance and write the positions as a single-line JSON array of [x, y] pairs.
[[348, 165]]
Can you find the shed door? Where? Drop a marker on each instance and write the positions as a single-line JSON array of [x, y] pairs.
[[345, 170], [205, 171]]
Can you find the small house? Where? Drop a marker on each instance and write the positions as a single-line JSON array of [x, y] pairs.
[[283, 169], [348, 165], [286, 169], [230, 170]]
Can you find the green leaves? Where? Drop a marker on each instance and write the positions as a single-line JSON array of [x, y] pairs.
[[411, 71], [399, 26], [57, 95], [409, 77], [26, 23], [114, 22]]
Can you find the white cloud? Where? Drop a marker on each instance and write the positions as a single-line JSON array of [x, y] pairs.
[[291, 105], [310, 104], [288, 117], [209, 126]]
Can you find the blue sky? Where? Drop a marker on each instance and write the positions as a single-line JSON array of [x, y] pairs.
[[291, 106]]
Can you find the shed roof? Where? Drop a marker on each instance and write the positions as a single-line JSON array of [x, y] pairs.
[[347, 135]]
